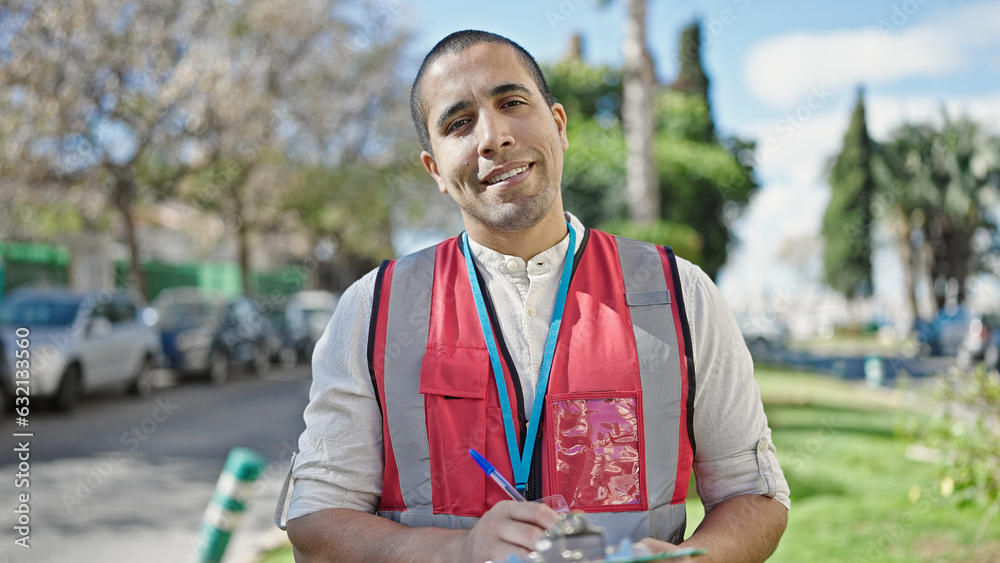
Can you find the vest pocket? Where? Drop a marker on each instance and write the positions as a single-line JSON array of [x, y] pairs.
[[455, 370], [595, 450], [453, 379]]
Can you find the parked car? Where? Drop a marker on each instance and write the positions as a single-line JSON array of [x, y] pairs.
[[764, 335], [79, 343], [305, 318], [942, 335], [981, 342], [210, 336]]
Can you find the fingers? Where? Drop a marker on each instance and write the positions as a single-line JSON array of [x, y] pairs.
[[520, 523], [530, 512], [519, 533], [508, 527]]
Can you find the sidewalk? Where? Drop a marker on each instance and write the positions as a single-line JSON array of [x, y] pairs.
[[147, 511]]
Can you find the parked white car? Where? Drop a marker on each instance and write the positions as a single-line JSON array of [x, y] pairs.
[[764, 335], [79, 342], [305, 318]]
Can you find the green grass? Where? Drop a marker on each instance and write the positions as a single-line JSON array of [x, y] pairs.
[[280, 555], [855, 496]]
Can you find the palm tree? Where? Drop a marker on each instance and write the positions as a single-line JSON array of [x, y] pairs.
[[639, 82], [934, 185], [903, 198]]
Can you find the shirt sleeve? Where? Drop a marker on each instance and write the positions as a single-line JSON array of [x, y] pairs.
[[339, 464], [734, 454]]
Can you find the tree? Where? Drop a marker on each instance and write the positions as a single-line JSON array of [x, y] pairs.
[[348, 208], [132, 102], [937, 184], [94, 86], [703, 184], [902, 198], [847, 223], [967, 168], [282, 97], [691, 77], [706, 182]]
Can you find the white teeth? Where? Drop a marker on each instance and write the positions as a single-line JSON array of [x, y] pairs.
[[506, 175]]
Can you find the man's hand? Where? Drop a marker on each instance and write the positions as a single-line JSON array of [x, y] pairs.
[[342, 535], [508, 527], [741, 529]]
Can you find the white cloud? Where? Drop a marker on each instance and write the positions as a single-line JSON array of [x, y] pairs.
[[800, 150], [780, 213], [794, 192], [780, 71], [886, 113], [786, 211]]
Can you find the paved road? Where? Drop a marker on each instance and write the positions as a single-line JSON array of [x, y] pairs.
[[122, 479]]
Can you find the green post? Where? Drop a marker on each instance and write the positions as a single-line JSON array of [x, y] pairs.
[[232, 491]]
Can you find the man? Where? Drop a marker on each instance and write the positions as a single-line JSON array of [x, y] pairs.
[[565, 355]]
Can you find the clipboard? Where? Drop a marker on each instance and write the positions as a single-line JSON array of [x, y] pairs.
[[683, 552]]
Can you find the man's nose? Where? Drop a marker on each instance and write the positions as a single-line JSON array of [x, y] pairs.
[[494, 133]]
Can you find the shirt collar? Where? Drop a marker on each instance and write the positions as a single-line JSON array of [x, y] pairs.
[[552, 257]]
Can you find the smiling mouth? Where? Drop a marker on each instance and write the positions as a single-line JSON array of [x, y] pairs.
[[506, 175]]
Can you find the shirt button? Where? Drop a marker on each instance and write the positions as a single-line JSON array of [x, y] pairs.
[[533, 311], [763, 445], [512, 265]]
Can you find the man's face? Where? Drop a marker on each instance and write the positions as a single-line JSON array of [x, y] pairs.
[[497, 145]]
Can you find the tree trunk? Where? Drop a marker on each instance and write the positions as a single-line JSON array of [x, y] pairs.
[[242, 237], [642, 191], [923, 259], [952, 249], [902, 231], [124, 197], [960, 250]]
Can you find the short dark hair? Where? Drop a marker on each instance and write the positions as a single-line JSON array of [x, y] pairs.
[[456, 43]]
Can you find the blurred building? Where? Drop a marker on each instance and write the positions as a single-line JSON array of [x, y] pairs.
[[179, 246]]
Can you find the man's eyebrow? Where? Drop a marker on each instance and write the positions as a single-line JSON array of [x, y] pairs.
[[507, 89], [451, 111]]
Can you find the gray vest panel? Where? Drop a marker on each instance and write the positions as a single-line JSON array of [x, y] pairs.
[[406, 339]]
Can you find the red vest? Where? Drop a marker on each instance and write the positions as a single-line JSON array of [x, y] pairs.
[[616, 435]]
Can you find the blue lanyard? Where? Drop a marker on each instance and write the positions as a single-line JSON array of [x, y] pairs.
[[522, 462]]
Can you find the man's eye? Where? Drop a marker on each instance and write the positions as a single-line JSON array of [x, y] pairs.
[[456, 125], [512, 103]]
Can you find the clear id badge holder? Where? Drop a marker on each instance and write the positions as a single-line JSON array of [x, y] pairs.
[[596, 450]]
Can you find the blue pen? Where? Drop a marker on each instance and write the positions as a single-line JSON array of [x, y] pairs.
[[496, 476]]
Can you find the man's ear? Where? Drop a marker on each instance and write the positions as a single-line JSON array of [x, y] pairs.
[[559, 115], [431, 166]]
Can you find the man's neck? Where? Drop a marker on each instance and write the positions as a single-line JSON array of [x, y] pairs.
[[524, 244]]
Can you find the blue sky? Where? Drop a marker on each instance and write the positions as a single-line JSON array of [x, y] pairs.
[[780, 71]]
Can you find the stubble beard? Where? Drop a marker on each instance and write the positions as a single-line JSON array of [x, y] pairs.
[[518, 215]]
